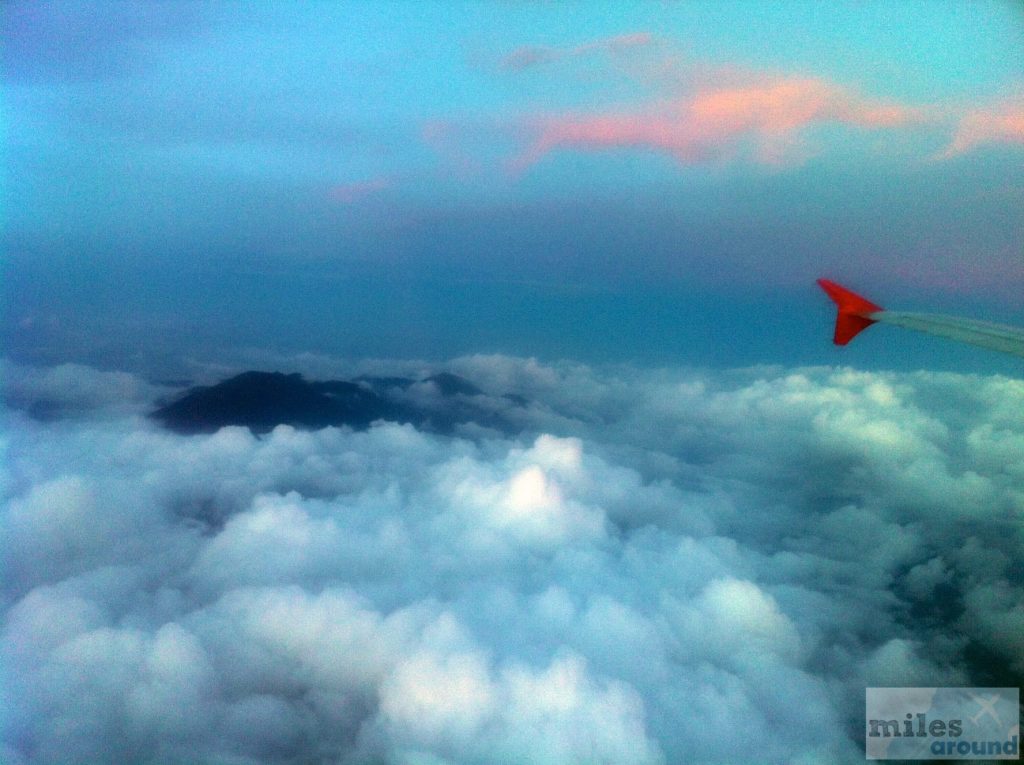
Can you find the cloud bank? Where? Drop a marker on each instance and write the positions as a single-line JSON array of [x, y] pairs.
[[666, 566]]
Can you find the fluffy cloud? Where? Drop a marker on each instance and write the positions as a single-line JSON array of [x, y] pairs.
[[73, 389], [664, 566]]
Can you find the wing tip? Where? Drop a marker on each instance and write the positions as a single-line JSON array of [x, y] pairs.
[[852, 311]]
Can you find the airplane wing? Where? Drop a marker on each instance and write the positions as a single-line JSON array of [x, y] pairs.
[[856, 313]]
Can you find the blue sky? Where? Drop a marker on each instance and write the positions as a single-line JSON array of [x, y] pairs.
[[653, 181]]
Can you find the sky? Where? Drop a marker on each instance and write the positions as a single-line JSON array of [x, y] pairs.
[[657, 182], [678, 525]]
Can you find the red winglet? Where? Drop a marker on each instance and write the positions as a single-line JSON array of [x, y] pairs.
[[853, 311]]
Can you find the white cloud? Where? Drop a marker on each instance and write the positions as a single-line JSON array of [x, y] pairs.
[[664, 566], [70, 389]]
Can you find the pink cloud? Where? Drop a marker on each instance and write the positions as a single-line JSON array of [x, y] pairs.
[[349, 193], [1003, 123], [529, 56], [715, 122]]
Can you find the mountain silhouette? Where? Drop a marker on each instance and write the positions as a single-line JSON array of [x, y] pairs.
[[263, 400]]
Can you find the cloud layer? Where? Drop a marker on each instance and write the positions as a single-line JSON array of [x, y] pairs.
[[667, 566]]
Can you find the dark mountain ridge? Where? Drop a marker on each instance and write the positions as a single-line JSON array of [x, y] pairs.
[[263, 400]]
